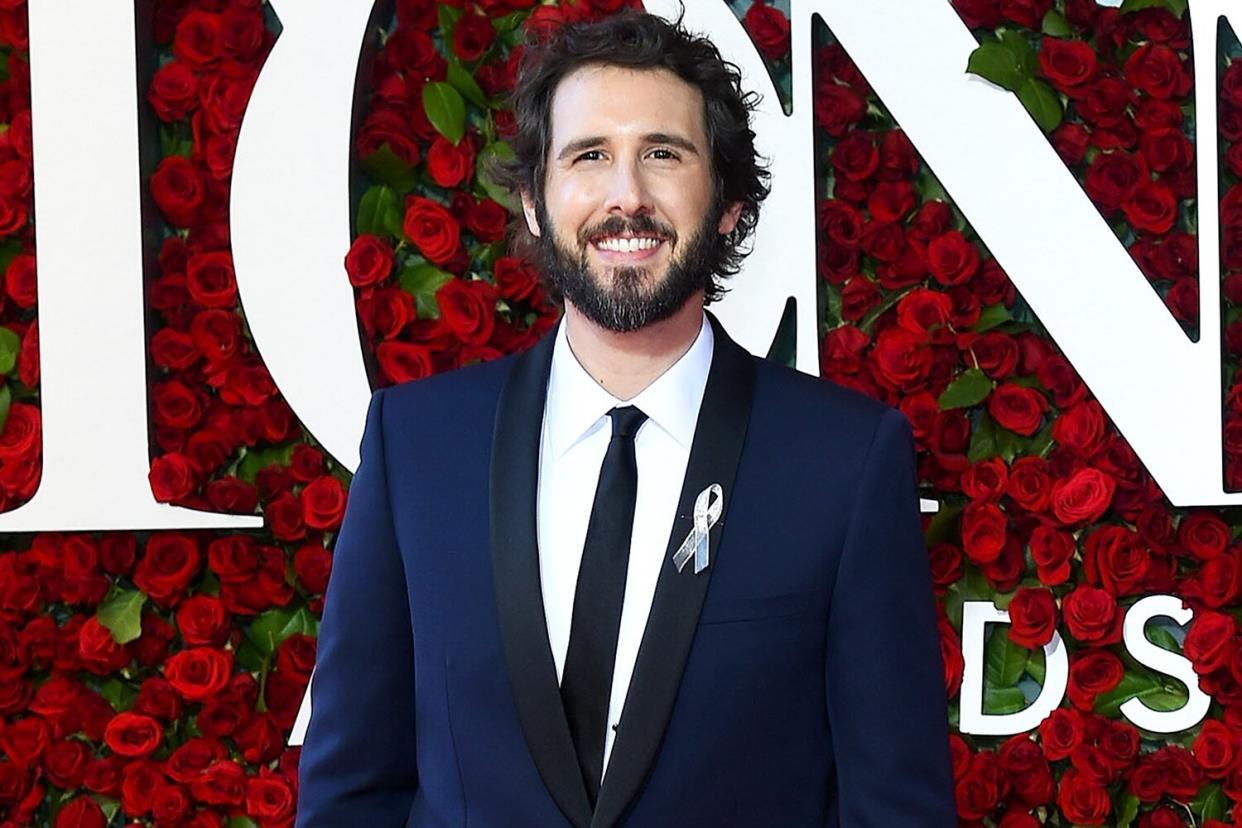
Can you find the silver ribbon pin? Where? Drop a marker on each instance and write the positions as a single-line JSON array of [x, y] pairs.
[[707, 507]]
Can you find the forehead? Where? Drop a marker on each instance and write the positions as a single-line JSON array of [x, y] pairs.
[[617, 102]]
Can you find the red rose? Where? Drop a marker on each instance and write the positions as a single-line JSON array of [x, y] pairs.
[[98, 650], [1084, 497], [312, 565], [222, 783], [131, 734], [768, 27], [268, 797], [197, 39], [432, 229], [178, 190], [323, 503], [468, 309], [1017, 408], [243, 33], [1029, 775], [1112, 177], [1151, 206], [404, 361], [1115, 559], [979, 789], [1029, 13], [368, 261], [1105, 101], [174, 91], [1157, 70], [1081, 429], [1061, 733], [854, 158], [1033, 617], [157, 699], [951, 655], [516, 280], [472, 36], [837, 108], [985, 480], [902, 359], [891, 201], [487, 221], [173, 478], [1067, 63], [81, 812], [216, 335], [1213, 748], [141, 779], [199, 672], [983, 532], [169, 805], [202, 620], [65, 762], [285, 518], [946, 565], [1216, 583], [951, 259], [1092, 672], [1071, 141], [1166, 149], [450, 165], [19, 280], [1084, 801], [1203, 534], [170, 561], [386, 311], [211, 280], [387, 127], [979, 14], [1210, 641], [175, 406], [1092, 615], [1030, 484]]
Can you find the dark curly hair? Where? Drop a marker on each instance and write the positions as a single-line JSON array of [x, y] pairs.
[[637, 40]]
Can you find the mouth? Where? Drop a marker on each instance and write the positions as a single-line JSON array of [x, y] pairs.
[[628, 248]]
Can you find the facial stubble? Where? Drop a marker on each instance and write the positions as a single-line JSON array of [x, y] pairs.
[[628, 300]]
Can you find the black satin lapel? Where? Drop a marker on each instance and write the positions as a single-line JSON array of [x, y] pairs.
[[515, 569], [714, 455]]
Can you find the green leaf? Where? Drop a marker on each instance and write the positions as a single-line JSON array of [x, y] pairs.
[[1003, 700], [953, 600], [176, 139], [445, 109], [274, 626], [244, 821], [461, 80], [784, 348], [448, 17], [1019, 45], [6, 401], [1211, 803], [502, 151], [1036, 667], [1056, 25], [8, 252], [1133, 685], [994, 62], [983, 440], [118, 694], [1127, 811], [423, 279], [1178, 7], [427, 306], [509, 22], [256, 460], [10, 347], [386, 166], [970, 388], [1008, 444], [943, 526], [109, 806], [121, 613], [1004, 661], [1043, 103], [990, 317], [1162, 638], [379, 212]]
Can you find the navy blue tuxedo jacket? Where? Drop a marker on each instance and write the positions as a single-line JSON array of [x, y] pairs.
[[795, 682]]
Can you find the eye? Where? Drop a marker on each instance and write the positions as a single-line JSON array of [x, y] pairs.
[[663, 154], [589, 155]]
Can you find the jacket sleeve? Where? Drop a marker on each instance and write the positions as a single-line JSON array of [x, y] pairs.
[[358, 761], [885, 679]]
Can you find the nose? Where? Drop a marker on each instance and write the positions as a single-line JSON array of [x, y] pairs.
[[628, 191]]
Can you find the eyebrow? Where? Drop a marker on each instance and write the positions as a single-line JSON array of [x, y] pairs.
[[581, 144]]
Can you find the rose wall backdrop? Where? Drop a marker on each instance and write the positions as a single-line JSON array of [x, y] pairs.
[[153, 678]]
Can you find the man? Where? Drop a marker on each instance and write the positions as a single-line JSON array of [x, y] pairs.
[[634, 576]]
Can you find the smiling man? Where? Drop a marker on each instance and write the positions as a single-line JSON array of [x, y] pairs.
[[634, 576]]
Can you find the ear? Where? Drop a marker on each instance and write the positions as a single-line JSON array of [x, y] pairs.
[[528, 210], [729, 220]]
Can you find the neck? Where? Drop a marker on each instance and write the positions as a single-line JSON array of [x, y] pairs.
[[626, 363]]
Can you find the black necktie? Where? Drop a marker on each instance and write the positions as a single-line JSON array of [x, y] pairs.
[[586, 683]]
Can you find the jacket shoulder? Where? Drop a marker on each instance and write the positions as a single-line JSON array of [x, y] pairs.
[[450, 393]]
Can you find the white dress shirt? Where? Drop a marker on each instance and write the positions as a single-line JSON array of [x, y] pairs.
[[575, 437]]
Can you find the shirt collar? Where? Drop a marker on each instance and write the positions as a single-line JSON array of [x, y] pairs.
[[576, 403]]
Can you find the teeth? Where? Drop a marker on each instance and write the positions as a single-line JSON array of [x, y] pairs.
[[632, 245]]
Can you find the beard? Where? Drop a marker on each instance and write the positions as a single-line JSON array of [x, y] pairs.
[[627, 302]]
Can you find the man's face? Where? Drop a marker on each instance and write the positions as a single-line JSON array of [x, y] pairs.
[[628, 217]]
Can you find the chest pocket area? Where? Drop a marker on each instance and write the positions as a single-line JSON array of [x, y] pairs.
[[726, 609]]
